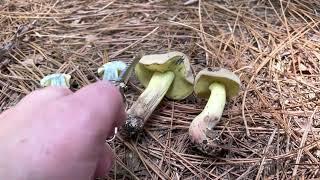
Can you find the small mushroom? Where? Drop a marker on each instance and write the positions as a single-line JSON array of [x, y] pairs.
[[111, 71], [162, 75], [216, 85], [57, 79]]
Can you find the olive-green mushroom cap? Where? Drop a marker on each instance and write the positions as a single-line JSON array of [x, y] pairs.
[[177, 62], [219, 75]]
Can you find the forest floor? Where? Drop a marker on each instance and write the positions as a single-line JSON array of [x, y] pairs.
[[273, 125]]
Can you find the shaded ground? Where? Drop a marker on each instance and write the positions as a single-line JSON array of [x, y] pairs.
[[272, 126]]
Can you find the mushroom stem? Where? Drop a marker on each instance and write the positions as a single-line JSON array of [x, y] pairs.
[[141, 110], [211, 114]]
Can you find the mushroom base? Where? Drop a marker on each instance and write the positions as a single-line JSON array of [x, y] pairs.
[[215, 144], [132, 126]]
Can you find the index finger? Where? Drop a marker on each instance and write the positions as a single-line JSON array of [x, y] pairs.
[[101, 106]]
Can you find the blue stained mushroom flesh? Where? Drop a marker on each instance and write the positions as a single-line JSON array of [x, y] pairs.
[[111, 71], [57, 79]]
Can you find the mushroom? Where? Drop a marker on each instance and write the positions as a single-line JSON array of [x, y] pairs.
[[111, 70], [57, 79], [162, 75], [216, 85]]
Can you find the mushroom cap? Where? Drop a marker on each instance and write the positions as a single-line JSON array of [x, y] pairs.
[[177, 62], [111, 70], [208, 76]]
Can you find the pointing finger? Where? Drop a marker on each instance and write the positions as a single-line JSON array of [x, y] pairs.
[[102, 102]]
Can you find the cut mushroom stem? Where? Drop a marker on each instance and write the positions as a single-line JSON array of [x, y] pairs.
[[57, 79], [141, 110], [111, 70]]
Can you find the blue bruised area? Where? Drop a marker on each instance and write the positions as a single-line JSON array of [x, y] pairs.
[[61, 80], [112, 70]]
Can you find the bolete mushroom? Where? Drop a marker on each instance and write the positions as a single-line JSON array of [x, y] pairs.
[[111, 70], [162, 75], [57, 79], [215, 84]]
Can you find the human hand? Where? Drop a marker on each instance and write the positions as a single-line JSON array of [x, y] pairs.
[[54, 133]]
